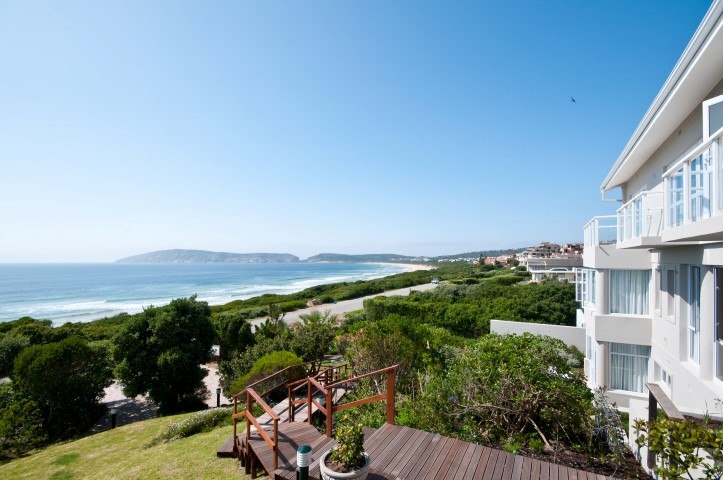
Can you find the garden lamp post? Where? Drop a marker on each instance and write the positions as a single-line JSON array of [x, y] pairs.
[[218, 397]]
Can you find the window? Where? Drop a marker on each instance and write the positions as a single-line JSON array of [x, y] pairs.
[[700, 171], [694, 317], [675, 198], [638, 218], [671, 276], [585, 279], [629, 367], [712, 116], [666, 378], [658, 290], [629, 291]]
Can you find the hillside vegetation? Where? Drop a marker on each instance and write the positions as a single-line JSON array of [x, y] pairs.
[[120, 454]]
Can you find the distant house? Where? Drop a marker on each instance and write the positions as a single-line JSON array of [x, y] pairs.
[[560, 267]]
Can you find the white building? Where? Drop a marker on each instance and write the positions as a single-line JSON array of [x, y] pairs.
[[651, 290], [561, 267]]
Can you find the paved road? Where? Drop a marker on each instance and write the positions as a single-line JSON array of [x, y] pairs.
[[346, 305]]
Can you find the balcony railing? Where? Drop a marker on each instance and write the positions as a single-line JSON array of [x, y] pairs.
[[694, 185], [641, 216], [601, 230]]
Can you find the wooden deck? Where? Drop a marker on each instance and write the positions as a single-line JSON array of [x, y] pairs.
[[406, 453]]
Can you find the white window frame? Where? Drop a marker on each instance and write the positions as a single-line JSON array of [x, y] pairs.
[[670, 316], [611, 291], [610, 372], [695, 278], [706, 117]]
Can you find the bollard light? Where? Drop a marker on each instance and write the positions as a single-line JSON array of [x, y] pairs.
[[218, 397], [113, 413], [303, 459]]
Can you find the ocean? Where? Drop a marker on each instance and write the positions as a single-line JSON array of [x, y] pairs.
[[83, 292]]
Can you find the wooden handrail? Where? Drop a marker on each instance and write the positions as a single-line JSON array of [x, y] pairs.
[[269, 377], [260, 401], [359, 377], [316, 383]]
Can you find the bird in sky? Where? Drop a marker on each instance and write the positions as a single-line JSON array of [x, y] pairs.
[[573, 100]]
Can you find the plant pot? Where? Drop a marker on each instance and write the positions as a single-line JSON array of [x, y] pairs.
[[328, 474]]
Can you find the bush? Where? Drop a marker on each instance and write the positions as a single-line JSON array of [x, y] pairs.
[[685, 448], [313, 337], [160, 353], [268, 365], [21, 423], [348, 453], [502, 387], [197, 423], [66, 380]]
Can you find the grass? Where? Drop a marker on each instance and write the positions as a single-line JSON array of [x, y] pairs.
[[119, 454]]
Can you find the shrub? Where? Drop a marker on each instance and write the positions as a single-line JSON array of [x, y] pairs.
[[684, 447], [268, 365], [313, 337], [66, 380], [348, 454], [200, 422], [502, 386]]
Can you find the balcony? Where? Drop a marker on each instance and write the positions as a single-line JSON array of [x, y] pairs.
[[600, 238], [640, 220], [693, 198], [601, 230]]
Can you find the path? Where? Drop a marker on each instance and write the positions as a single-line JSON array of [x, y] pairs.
[[346, 306]]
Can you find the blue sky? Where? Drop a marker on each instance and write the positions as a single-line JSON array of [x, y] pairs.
[[302, 127]]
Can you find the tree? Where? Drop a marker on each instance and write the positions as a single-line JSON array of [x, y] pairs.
[[10, 347], [234, 334], [21, 422], [160, 353], [66, 380], [313, 337]]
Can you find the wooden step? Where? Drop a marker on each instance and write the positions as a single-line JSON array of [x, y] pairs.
[[226, 450]]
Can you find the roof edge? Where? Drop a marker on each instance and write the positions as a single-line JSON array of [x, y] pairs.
[[689, 54]]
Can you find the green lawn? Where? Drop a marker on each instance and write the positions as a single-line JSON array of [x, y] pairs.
[[119, 454]]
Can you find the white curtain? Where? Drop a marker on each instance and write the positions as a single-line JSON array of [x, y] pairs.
[[629, 367], [629, 291]]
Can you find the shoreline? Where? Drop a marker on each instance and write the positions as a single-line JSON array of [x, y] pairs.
[[408, 267], [106, 309]]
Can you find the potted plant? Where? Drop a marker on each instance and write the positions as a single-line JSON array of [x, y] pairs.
[[347, 460]]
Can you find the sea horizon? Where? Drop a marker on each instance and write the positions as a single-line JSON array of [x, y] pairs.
[[81, 292]]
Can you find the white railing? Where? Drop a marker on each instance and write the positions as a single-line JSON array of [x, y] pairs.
[[694, 185], [600, 230], [641, 216]]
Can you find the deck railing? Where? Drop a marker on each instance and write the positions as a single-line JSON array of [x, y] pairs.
[[694, 185], [601, 230], [324, 377], [325, 382], [386, 396], [641, 216]]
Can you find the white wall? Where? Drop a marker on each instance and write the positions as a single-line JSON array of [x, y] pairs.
[[573, 336]]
